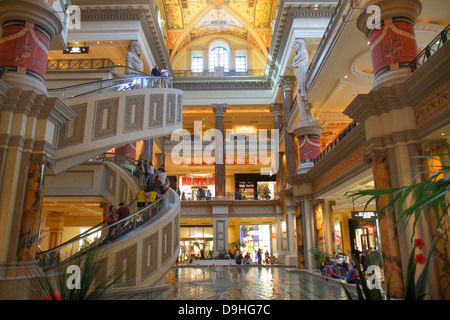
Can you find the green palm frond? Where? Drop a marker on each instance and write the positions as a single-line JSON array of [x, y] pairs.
[[410, 202]]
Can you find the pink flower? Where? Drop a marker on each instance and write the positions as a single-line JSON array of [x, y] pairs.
[[420, 258], [418, 243]]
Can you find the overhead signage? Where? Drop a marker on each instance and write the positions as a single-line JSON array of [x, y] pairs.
[[76, 50], [361, 215]]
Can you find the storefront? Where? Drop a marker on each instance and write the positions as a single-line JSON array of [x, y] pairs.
[[255, 237], [363, 227], [190, 186], [196, 241], [255, 186]]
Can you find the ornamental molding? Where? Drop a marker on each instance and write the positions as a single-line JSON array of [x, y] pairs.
[[145, 14], [222, 85]]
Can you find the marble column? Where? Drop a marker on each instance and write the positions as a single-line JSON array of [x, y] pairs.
[[55, 221], [319, 225], [388, 233], [276, 109], [392, 41], [307, 208], [291, 232], [434, 152], [286, 84], [300, 244], [220, 229], [329, 227], [32, 209], [282, 245], [28, 28], [219, 167]]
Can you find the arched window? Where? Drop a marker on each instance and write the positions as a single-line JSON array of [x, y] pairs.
[[219, 56]]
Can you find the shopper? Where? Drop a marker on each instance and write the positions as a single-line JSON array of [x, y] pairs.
[[110, 220], [166, 186], [162, 179], [122, 212], [352, 275], [141, 198], [336, 271], [155, 71], [151, 173]]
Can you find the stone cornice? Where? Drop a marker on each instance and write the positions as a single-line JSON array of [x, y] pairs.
[[377, 102], [349, 144], [144, 12], [298, 179], [222, 85], [286, 15]]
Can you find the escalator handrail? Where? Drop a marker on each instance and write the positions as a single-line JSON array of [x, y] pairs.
[[130, 160], [90, 231], [50, 90]]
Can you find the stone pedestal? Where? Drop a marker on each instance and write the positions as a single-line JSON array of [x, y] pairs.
[[392, 42], [308, 135], [28, 29]]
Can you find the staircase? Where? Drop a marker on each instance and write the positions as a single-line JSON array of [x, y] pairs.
[[112, 113], [142, 247]]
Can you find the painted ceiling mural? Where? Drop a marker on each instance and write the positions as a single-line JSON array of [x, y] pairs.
[[187, 20]]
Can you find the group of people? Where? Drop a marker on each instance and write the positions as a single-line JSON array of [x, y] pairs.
[[246, 259], [339, 268], [157, 179], [164, 72], [156, 185]]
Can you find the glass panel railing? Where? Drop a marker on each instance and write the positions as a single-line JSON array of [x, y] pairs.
[[111, 85], [102, 234], [430, 49]]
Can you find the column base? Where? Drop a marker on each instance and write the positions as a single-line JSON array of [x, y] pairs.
[[390, 78], [26, 82], [291, 260]]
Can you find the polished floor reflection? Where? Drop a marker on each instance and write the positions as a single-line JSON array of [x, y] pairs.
[[243, 283]]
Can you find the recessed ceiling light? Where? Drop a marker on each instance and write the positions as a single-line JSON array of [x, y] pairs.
[[98, 41], [442, 133], [345, 77]]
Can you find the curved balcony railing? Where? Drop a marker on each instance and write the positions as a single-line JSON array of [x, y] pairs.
[[111, 85], [430, 49], [338, 139], [101, 234]]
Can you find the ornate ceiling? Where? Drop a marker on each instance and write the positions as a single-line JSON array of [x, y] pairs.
[[189, 20]]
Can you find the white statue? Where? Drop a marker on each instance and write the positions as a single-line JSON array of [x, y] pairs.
[[133, 59], [300, 64], [305, 111]]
